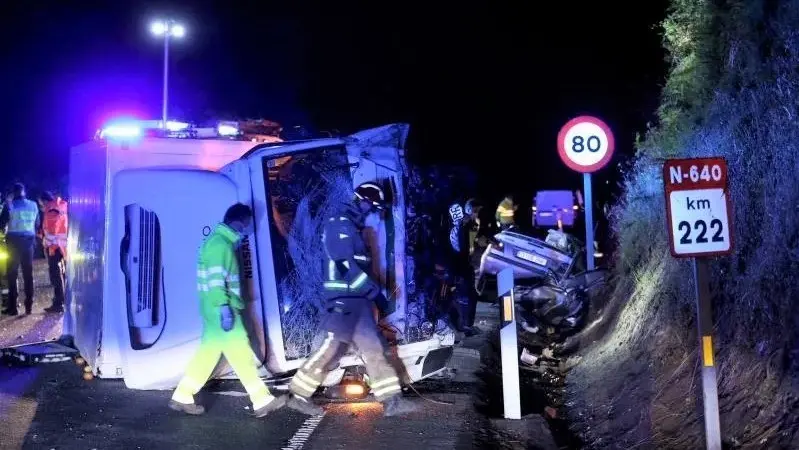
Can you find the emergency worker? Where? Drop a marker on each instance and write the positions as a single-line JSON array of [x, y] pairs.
[[22, 218], [505, 213], [350, 296], [463, 220], [221, 307], [54, 229]]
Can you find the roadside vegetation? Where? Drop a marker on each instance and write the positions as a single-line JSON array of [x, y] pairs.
[[732, 91]]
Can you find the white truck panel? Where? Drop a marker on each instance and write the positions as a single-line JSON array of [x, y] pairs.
[[133, 305]]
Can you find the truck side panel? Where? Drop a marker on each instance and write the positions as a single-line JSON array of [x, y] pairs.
[[86, 249]]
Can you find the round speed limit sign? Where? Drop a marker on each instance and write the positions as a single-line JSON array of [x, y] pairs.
[[585, 144]]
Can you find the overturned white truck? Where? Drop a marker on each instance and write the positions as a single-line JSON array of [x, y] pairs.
[[141, 207]]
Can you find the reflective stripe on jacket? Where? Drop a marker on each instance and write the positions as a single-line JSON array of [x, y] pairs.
[[218, 272], [505, 212], [22, 216], [347, 257]]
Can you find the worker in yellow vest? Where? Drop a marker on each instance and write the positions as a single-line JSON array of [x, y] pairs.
[[221, 307], [505, 213]]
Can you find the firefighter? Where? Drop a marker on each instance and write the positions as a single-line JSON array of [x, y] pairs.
[[54, 229], [505, 213], [350, 297], [22, 218], [221, 307], [463, 220]]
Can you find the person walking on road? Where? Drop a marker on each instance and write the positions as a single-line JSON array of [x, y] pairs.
[[54, 229], [221, 307], [350, 297], [21, 216]]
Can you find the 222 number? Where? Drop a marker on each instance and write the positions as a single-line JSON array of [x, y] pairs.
[[701, 227]]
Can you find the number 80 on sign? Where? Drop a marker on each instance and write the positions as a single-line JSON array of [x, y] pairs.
[[697, 207], [585, 144]]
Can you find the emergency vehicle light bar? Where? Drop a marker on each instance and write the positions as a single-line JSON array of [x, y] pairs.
[[135, 129]]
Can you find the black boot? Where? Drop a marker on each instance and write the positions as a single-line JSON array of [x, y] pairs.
[[10, 308], [191, 409], [471, 331], [304, 405], [28, 306], [56, 308], [274, 405]]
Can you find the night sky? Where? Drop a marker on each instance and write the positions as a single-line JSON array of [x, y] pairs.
[[487, 87]]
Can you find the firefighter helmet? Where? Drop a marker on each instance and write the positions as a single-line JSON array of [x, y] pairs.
[[371, 193], [471, 206]]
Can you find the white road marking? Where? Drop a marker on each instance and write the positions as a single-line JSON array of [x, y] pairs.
[[302, 435], [232, 393]]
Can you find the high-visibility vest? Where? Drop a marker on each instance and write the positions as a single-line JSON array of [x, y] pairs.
[[505, 212], [218, 274], [54, 226], [22, 214]]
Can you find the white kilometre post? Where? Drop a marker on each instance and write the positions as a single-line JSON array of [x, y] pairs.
[[699, 217], [509, 345]]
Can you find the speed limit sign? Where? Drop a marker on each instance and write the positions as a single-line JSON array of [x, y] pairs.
[[585, 144]]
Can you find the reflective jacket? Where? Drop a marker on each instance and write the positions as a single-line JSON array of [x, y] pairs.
[[505, 212], [218, 273], [347, 259], [457, 252], [54, 226], [22, 216]]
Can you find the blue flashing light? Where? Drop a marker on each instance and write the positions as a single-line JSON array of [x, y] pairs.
[[121, 131]]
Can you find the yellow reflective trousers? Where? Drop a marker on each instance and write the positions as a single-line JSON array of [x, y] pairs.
[[235, 347]]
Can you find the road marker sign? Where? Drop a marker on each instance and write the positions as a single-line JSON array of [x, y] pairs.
[[509, 345], [698, 207], [586, 144], [699, 222]]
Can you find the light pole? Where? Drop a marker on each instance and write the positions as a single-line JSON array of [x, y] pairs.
[[168, 29]]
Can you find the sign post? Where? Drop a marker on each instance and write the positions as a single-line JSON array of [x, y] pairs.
[[509, 345], [585, 144], [699, 224]]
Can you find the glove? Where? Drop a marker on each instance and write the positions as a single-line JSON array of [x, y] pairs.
[[226, 316]]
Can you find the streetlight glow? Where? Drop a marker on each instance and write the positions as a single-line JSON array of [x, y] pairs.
[[168, 28], [177, 31], [158, 28]]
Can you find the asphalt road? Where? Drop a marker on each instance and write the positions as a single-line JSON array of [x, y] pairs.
[[38, 326], [50, 406]]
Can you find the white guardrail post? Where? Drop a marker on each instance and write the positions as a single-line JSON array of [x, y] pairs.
[[509, 345]]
